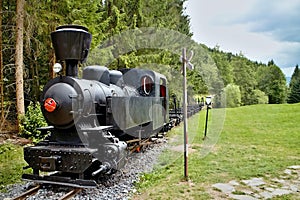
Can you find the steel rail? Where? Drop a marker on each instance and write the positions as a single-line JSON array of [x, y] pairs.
[[28, 193], [71, 194]]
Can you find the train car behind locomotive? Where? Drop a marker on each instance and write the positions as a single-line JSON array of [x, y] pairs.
[[90, 117]]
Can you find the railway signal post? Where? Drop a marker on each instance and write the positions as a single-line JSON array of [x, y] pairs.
[[185, 63]]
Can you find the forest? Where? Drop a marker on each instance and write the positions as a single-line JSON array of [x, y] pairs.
[[128, 34]]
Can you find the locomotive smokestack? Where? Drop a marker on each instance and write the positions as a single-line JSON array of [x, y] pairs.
[[71, 44]]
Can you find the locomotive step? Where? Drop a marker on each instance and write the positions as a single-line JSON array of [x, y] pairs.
[[58, 180]]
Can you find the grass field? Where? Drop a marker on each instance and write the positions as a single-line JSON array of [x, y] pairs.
[[11, 164], [256, 141]]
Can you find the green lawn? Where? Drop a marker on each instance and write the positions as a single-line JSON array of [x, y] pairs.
[[256, 141], [11, 164]]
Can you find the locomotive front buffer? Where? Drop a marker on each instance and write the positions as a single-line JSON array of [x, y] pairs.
[[74, 165]]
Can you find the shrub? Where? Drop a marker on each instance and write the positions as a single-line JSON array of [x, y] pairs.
[[232, 94], [32, 120], [260, 97]]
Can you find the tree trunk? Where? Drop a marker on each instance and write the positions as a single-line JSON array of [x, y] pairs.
[[19, 58], [1, 68]]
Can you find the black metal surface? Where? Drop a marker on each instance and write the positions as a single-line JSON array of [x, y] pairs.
[[57, 180], [71, 42], [59, 158], [61, 93], [131, 112], [97, 73]]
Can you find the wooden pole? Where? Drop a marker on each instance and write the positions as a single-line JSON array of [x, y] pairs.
[[184, 61]]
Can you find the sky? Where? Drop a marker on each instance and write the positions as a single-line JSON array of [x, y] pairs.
[[261, 30]]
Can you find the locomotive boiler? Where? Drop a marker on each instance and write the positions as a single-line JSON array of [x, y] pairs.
[[90, 118]]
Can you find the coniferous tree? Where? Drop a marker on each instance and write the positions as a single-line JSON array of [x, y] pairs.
[[294, 95], [272, 82], [295, 76]]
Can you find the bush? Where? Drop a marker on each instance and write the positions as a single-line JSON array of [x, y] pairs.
[[260, 97], [232, 94], [32, 120]]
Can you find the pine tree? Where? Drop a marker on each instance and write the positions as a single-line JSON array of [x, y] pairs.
[[272, 82], [294, 95], [295, 76]]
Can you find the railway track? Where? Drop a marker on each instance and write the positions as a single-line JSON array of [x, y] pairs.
[[118, 186], [137, 145], [35, 189], [28, 193]]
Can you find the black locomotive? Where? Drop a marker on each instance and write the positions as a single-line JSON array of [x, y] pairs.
[[90, 118]]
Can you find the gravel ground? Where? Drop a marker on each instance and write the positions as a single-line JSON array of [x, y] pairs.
[[119, 186]]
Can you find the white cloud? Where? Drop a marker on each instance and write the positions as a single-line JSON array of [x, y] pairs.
[[261, 30]]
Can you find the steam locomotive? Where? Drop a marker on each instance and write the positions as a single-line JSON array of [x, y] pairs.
[[90, 118]]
